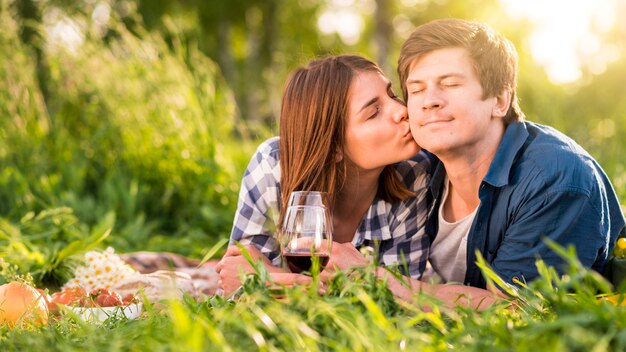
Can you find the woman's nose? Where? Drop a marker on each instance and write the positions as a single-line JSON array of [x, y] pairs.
[[401, 113]]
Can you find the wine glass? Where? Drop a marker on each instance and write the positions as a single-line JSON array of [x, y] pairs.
[[306, 238], [309, 198]]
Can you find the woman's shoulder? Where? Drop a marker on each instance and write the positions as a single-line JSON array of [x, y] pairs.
[[266, 159], [269, 147], [412, 175], [418, 166], [267, 151]]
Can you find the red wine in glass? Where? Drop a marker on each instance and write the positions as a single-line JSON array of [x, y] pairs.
[[306, 238], [300, 262]]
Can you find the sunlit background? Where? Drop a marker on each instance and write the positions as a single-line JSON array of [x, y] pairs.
[[565, 36]]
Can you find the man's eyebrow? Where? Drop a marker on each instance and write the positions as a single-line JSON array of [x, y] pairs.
[[373, 100], [442, 77], [414, 81]]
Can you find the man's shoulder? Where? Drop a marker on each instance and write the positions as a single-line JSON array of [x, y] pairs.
[[553, 151], [556, 159], [552, 142]]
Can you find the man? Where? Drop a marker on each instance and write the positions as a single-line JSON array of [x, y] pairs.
[[500, 185]]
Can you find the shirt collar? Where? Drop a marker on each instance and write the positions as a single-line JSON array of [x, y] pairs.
[[439, 174], [514, 138]]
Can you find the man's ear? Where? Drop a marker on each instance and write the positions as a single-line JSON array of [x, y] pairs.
[[503, 102]]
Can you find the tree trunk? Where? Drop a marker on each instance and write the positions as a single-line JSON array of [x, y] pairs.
[[382, 34], [30, 20]]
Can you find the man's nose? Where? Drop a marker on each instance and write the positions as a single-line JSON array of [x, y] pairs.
[[432, 100]]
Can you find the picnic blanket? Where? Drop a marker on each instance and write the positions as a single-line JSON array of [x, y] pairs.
[[203, 277]]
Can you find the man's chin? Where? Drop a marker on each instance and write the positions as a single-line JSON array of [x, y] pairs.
[[426, 143]]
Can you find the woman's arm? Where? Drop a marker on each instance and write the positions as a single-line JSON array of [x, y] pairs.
[[258, 205], [254, 225], [451, 295], [345, 256]]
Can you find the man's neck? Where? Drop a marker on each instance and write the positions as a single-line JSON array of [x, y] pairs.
[[466, 171]]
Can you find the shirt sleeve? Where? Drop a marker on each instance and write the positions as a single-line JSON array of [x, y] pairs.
[[566, 216], [409, 245], [257, 209]]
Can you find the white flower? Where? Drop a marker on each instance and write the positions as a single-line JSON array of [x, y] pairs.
[[101, 270]]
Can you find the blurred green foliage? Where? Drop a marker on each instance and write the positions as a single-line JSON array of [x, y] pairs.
[[42, 247], [123, 124]]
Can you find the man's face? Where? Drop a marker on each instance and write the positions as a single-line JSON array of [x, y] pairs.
[[447, 112]]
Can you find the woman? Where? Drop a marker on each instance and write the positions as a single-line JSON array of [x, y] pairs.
[[345, 132]]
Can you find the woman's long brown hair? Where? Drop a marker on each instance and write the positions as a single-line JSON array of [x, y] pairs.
[[312, 130]]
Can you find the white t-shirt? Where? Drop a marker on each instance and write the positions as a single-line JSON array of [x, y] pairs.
[[448, 253]]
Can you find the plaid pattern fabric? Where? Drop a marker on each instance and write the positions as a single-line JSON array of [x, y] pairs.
[[394, 230]]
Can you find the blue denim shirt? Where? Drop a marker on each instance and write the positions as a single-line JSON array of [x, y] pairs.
[[540, 184]]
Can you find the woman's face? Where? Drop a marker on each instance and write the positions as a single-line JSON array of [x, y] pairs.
[[377, 126]]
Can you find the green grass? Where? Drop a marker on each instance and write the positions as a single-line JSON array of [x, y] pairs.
[[355, 314]]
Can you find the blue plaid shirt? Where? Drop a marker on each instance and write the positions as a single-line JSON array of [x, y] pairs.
[[395, 231]]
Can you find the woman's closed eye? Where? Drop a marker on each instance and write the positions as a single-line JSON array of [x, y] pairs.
[[376, 110]]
